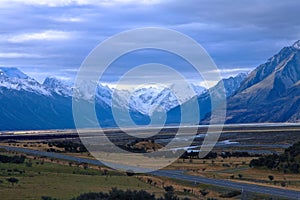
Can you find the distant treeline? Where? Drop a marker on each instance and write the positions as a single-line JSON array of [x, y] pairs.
[[213, 155], [289, 161]]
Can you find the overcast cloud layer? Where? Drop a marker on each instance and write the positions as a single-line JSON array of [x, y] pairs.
[[51, 38]]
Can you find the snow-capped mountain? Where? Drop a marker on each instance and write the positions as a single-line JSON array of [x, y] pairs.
[[27, 104], [104, 93], [12, 78], [149, 99], [145, 100], [58, 86], [198, 89], [12, 72]]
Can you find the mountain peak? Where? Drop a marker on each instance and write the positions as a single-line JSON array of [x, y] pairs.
[[242, 75], [12, 72], [13, 79], [58, 86], [296, 45], [52, 81]]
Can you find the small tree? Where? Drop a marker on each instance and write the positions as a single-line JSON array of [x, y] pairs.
[[48, 198], [203, 192], [169, 188], [129, 173], [29, 164], [240, 176], [85, 166], [169, 195], [13, 180], [271, 178]]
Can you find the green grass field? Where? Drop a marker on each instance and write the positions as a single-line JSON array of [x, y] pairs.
[[62, 182]]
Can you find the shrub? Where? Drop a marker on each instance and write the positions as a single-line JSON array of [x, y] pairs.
[[231, 194]]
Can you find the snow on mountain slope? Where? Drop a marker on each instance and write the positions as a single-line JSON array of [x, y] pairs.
[[296, 45], [149, 99], [144, 100], [198, 89], [12, 78], [12, 72], [104, 93], [58, 86]]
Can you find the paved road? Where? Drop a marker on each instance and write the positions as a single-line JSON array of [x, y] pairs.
[[290, 194], [177, 174]]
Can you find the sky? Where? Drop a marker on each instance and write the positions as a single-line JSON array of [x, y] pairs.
[[53, 37]]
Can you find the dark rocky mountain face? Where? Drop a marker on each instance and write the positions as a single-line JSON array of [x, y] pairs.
[[264, 70], [23, 110], [271, 92]]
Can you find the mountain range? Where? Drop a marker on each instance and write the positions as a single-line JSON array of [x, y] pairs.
[[270, 93], [28, 104]]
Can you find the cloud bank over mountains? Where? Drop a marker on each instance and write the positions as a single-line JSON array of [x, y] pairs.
[[53, 37]]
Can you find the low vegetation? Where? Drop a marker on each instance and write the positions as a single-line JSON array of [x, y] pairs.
[[116, 194], [68, 146]]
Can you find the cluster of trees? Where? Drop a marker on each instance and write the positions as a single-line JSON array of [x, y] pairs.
[[11, 180], [190, 154], [68, 146], [12, 159], [289, 161], [195, 154]]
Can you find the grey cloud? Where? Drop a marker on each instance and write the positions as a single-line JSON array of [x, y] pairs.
[[237, 34]]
